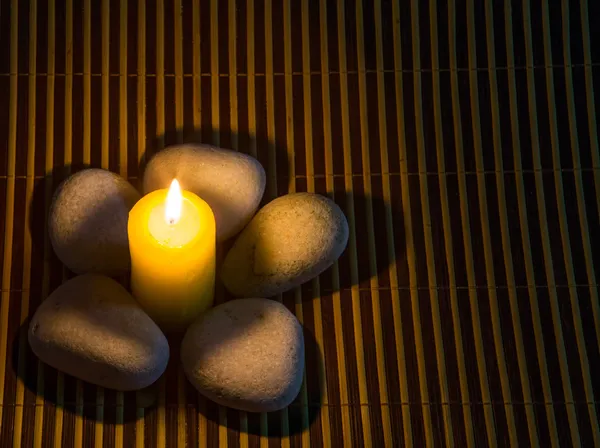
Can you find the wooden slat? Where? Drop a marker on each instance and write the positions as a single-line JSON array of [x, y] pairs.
[[591, 107], [160, 74], [178, 52], [429, 250], [466, 230], [372, 257], [233, 91], [214, 71], [485, 227], [27, 243], [401, 129], [562, 219], [40, 400], [141, 81], [250, 74], [448, 244], [123, 105], [105, 21], [581, 208], [87, 79], [543, 217], [506, 246], [356, 312], [10, 200], [525, 240]]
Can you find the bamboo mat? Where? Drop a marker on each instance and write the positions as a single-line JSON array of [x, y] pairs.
[[460, 139]]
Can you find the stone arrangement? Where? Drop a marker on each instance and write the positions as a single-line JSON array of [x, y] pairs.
[[246, 353]]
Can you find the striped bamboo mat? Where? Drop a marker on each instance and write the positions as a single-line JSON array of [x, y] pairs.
[[461, 140]]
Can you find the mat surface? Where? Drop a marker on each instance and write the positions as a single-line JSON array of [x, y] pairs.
[[460, 139]]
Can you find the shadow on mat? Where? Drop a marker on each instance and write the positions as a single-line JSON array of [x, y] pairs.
[[362, 204], [80, 398]]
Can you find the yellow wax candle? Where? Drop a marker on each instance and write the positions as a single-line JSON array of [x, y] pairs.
[[172, 246]]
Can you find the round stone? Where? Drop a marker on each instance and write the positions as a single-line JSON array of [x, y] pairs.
[[247, 354], [92, 328], [88, 222], [232, 183], [291, 240]]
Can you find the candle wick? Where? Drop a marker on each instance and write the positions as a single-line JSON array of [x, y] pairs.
[[171, 221]]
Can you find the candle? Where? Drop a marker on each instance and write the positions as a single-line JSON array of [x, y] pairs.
[[172, 246]]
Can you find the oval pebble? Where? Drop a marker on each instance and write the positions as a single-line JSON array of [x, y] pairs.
[[232, 183], [88, 222], [291, 240], [247, 354], [92, 328]]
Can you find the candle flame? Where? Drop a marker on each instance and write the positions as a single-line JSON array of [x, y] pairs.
[[174, 200]]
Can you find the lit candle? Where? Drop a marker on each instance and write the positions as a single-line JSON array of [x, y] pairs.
[[172, 246]]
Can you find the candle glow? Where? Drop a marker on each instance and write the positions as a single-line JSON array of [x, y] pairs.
[[172, 242], [173, 204]]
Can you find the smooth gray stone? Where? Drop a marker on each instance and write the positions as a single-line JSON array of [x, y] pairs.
[[88, 222], [232, 183], [247, 354], [291, 240], [92, 328]]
